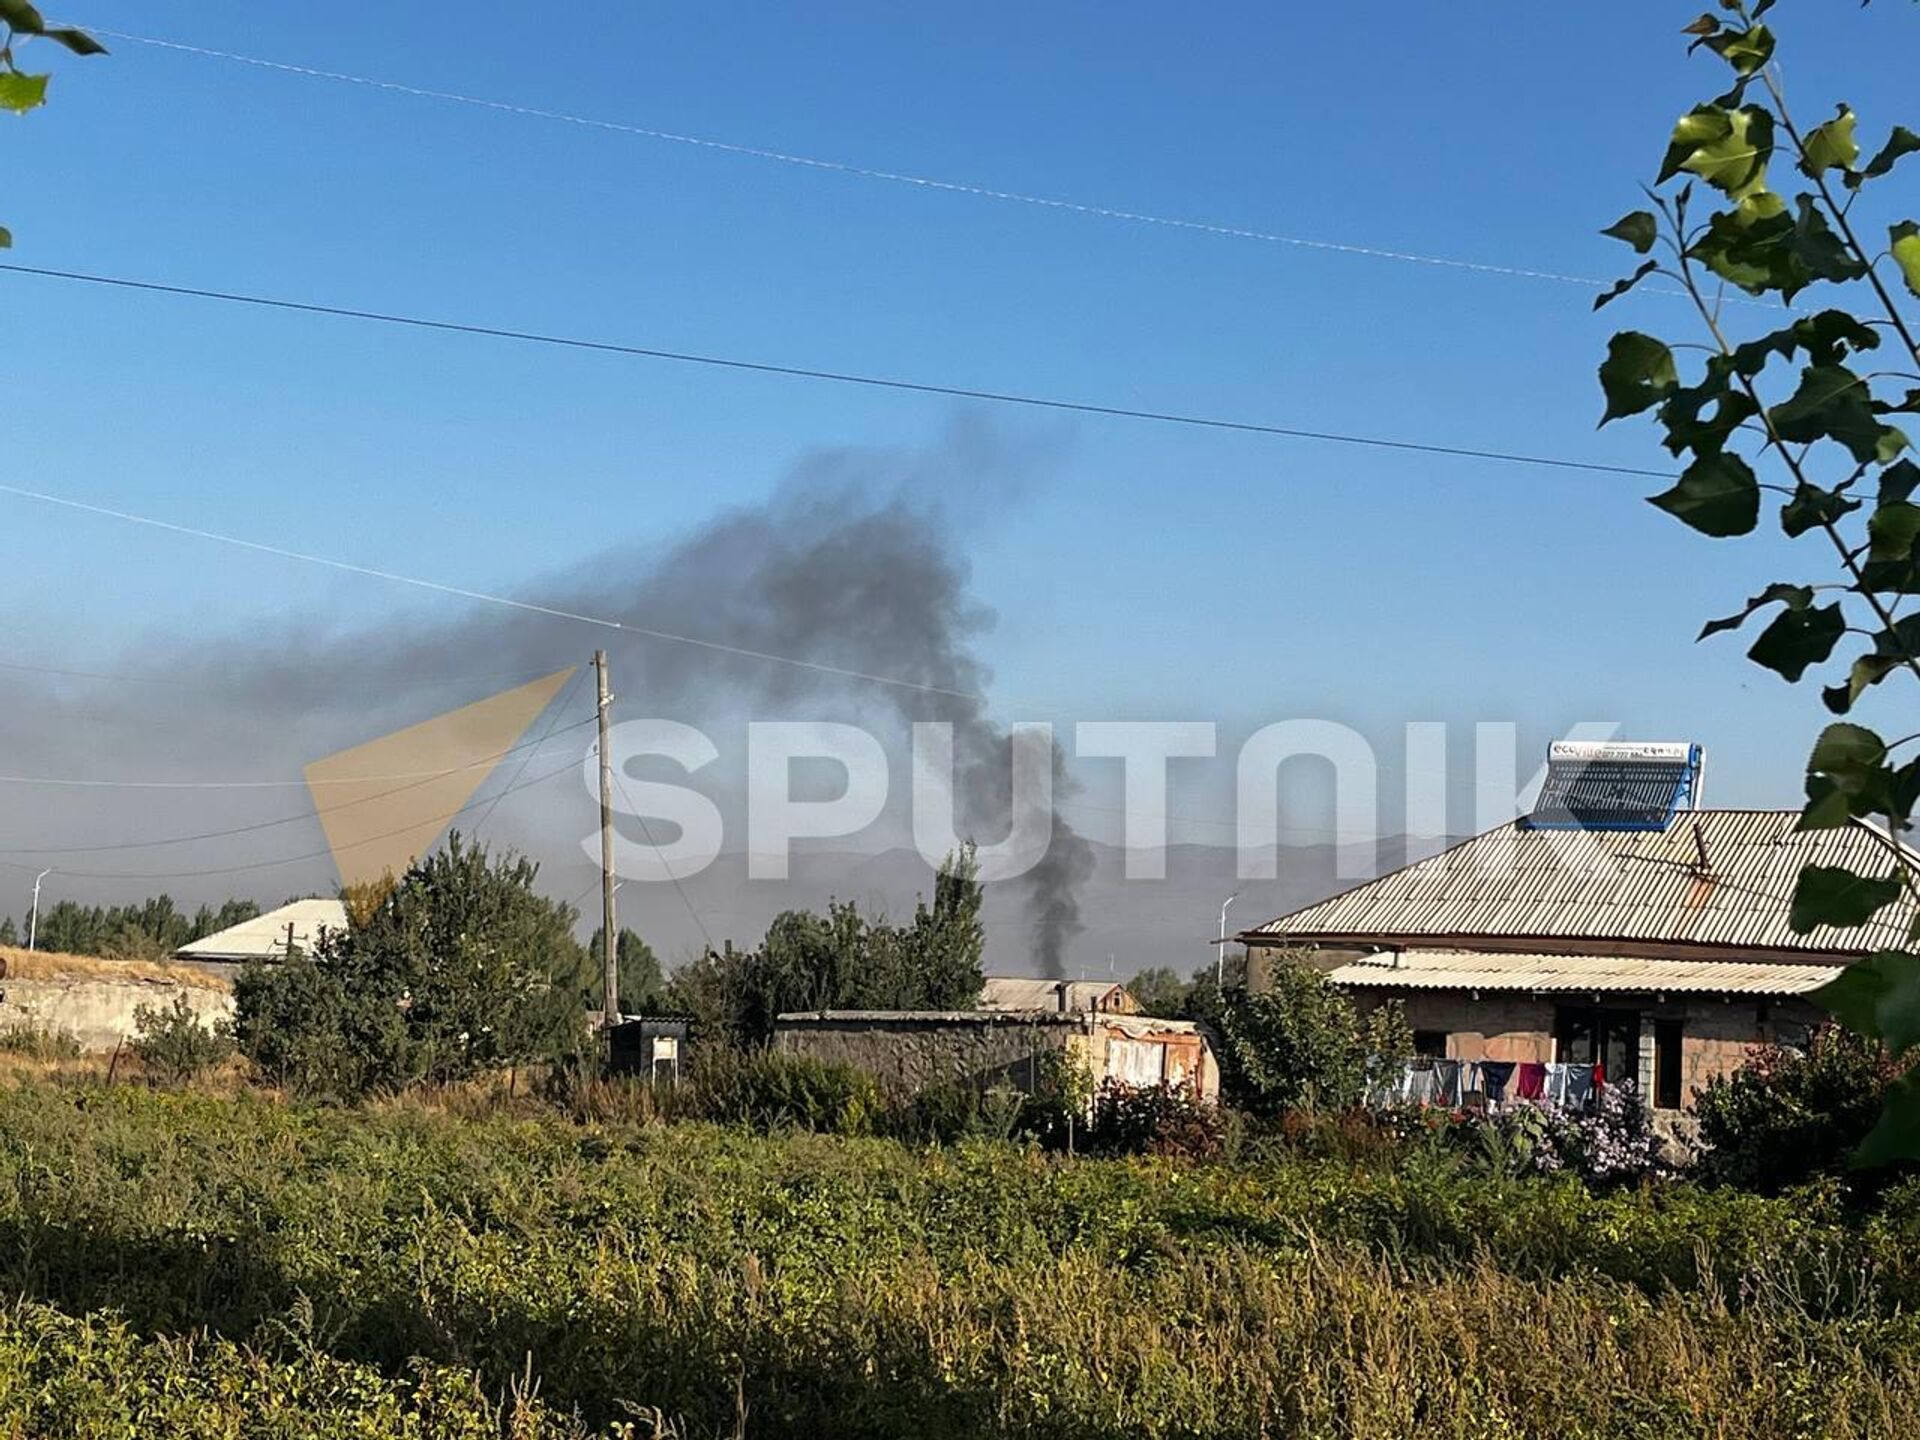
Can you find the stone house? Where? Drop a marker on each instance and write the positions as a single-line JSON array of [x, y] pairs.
[[1643, 935]]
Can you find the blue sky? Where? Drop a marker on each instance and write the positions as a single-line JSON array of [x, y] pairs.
[[1157, 573]]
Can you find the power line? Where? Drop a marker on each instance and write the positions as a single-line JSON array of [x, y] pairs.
[[85, 783], [294, 859], [958, 392], [532, 748], [864, 172], [527, 759]]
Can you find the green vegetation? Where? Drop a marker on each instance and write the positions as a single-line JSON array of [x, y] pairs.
[[175, 1044], [843, 960], [301, 1267], [150, 930], [462, 967], [1301, 1042], [1809, 405], [37, 1042]]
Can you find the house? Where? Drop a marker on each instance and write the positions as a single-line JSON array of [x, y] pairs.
[[298, 925], [1616, 924], [914, 1048], [1019, 992]]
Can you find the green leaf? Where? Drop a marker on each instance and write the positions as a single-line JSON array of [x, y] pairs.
[[1817, 250], [6, 238], [1717, 494], [1811, 507], [20, 92], [1892, 529], [1745, 50], [78, 41], [1636, 374], [1797, 639], [1622, 286], [1877, 996], [1794, 597], [1707, 24], [1896, 1134], [1834, 895], [1898, 481], [1834, 403], [1831, 146], [1688, 423], [1906, 252], [1847, 775], [1638, 228], [1866, 672], [1902, 142], [21, 16], [1726, 147]]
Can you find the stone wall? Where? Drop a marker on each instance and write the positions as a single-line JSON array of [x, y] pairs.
[[99, 1013], [1716, 1034], [911, 1052]]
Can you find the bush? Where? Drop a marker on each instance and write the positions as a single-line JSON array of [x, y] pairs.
[[1301, 1043], [770, 1091], [35, 1041], [463, 967], [176, 1043], [1153, 1120], [1787, 1116]]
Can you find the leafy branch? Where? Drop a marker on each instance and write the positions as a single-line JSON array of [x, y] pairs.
[[21, 90]]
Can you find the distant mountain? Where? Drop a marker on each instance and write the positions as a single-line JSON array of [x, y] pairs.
[[1135, 922]]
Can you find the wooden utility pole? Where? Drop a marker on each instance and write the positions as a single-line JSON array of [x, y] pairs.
[[609, 934]]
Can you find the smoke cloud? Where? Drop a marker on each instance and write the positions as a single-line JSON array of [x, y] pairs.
[[854, 563]]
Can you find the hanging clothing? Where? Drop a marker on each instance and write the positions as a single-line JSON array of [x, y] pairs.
[[1555, 1092], [1530, 1080], [1599, 1078], [1446, 1083], [1419, 1087], [1494, 1075], [1579, 1083]]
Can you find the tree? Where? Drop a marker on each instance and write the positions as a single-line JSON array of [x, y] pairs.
[[8, 934], [642, 985], [1811, 404], [20, 90], [1160, 991], [844, 960], [463, 967], [1300, 1043]]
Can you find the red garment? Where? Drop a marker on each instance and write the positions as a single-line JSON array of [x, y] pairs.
[[1530, 1080], [1599, 1078]]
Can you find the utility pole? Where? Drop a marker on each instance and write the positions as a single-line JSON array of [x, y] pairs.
[[1220, 950], [609, 935], [33, 916]]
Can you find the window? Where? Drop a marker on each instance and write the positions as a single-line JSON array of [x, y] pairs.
[[1431, 1043], [1589, 1035], [1666, 1064]]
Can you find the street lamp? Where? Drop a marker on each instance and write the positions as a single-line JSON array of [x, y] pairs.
[[1220, 953], [33, 915]]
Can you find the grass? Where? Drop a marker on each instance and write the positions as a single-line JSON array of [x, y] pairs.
[[561, 1277], [56, 965]]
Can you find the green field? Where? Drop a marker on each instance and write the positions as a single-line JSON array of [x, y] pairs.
[[186, 1264]]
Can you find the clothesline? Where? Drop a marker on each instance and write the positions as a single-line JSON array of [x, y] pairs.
[[1460, 1084]]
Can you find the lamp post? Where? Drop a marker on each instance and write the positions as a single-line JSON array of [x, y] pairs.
[[33, 915], [1220, 952]]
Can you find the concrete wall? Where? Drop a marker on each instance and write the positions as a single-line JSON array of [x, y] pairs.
[[99, 1013], [1716, 1035]]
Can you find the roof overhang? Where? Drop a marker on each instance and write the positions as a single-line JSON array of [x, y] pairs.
[[1515, 972]]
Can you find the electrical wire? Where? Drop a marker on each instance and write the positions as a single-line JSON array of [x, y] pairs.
[[93, 784], [864, 172], [527, 759], [959, 392], [532, 748], [295, 859]]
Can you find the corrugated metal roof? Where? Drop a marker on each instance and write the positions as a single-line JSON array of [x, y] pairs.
[[1515, 883], [1575, 974], [265, 936]]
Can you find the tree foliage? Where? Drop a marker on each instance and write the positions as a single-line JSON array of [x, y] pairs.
[[24, 90], [1301, 1042], [148, 930], [462, 967], [643, 985], [1800, 415], [843, 960]]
